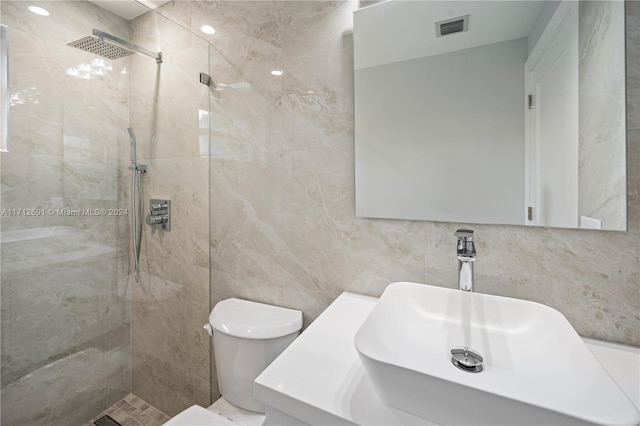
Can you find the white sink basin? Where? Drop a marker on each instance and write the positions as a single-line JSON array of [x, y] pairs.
[[536, 369]]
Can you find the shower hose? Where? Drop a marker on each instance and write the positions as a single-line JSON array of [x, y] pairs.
[[136, 213]]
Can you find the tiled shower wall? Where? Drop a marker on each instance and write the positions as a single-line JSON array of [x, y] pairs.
[[283, 229], [169, 113]]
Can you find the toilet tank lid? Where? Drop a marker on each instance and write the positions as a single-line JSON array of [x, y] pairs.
[[252, 320]]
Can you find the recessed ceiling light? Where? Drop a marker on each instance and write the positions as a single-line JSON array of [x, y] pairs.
[[39, 11], [277, 72], [207, 29]]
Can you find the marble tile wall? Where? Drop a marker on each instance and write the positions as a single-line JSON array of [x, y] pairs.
[[170, 304], [283, 229], [65, 301], [282, 222]]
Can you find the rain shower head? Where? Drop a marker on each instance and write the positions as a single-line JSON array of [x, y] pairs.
[[111, 47], [100, 47]]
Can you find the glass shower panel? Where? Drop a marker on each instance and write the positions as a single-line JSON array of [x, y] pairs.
[[65, 225], [169, 112]]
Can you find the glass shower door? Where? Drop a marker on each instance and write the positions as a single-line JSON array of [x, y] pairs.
[[64, 229]]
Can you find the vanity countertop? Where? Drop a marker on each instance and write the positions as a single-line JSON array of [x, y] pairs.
[[319, 378]]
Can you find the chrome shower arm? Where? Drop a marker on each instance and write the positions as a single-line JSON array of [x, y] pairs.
[[127, 45]]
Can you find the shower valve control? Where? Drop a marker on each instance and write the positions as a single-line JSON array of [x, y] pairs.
[[159, 214], [158, 207]]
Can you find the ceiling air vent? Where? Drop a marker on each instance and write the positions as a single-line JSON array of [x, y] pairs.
[[452, 26]]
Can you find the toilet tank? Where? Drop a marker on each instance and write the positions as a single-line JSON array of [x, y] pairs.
[[247, 337]]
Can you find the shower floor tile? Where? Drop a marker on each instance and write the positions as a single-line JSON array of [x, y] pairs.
[[132, 411]]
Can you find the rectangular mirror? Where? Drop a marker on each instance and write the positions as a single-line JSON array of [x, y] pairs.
[[493, 112]]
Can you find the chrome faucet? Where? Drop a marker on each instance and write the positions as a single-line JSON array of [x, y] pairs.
[[466, 256]]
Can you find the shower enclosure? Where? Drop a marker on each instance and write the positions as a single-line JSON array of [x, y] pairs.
[[78, 332]]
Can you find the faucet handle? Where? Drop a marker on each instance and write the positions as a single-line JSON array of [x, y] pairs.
[[464, 234], [466, 248]]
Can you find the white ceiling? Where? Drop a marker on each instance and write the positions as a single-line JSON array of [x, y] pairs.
[[128, 9], [400, 30]]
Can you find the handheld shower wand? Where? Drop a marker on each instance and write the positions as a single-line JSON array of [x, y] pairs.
[[132, 136]]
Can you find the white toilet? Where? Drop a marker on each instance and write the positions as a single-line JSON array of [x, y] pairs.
[[247, 337]]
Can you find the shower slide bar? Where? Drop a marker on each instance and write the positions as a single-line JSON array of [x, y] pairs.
[[136, 204]]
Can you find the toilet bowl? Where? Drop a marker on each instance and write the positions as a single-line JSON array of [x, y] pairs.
[[247, 337]]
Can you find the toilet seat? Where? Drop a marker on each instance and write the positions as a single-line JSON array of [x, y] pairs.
[[198, 416]]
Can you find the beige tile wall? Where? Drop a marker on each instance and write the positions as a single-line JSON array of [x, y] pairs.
[[170, 349], [283, 229]]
